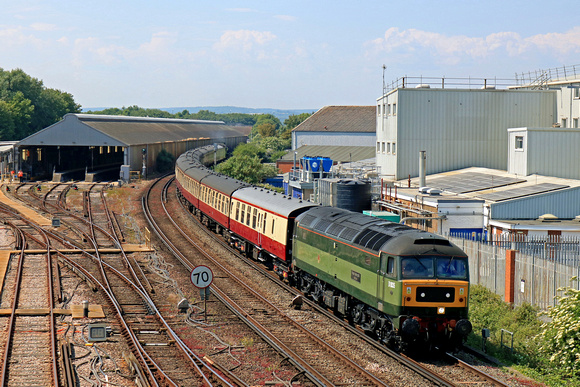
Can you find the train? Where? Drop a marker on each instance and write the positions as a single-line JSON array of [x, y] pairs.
[[407, 287]]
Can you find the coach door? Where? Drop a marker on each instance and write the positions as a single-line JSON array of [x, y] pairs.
[[381, 281]]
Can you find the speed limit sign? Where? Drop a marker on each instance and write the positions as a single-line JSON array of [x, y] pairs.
[[201, 276]]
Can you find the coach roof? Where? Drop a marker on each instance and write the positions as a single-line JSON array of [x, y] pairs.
[[280, 204]]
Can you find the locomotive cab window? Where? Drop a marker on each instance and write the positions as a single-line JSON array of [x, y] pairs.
[[434, 267], [390, 267]]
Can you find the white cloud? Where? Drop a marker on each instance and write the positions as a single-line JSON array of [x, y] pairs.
[[244, 39], [454, 49]]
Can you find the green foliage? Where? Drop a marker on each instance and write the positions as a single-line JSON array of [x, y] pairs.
[[246, 168], [488, 310], [27, 106], [295, 119], [560, 337], [251, 150], [165, 161], [266, 129]]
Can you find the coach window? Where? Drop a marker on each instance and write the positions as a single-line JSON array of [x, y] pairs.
[[273, 223], [237, 211], [254, 218], [243, 214], [264, 224], [248, 216]]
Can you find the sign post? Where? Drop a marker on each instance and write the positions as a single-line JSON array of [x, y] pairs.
[[201, 278]]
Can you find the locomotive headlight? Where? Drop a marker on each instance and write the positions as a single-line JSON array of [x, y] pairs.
[[441, 310], [447, 295]]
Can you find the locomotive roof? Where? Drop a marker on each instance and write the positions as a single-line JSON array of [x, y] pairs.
[[281, 204], [373, 233]]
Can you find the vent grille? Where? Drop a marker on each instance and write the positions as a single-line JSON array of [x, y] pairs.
[[307, 220], [335, 229], [322, 225]]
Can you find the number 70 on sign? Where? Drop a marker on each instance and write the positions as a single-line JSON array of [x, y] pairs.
[[201, 276]]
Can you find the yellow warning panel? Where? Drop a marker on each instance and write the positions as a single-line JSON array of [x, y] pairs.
[[95, 311], [24, 210], [4, 259]]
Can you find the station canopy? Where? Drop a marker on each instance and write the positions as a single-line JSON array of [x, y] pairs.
[[102, 130]]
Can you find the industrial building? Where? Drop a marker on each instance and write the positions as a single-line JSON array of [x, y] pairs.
[[337, 126], [476, 201], [99, 147], [458, 128]]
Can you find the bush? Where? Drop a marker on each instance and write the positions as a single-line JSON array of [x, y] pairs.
[[560, 337]]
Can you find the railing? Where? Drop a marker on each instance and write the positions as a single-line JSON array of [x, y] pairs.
[[449, 83], [563, 73]]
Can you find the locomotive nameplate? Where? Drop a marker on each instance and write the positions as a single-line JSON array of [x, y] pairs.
[[355, 276]]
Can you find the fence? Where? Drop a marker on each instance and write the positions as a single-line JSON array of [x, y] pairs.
[[541, 266]]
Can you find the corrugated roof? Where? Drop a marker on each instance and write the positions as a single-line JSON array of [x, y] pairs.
[[344, 154], [341, 119], [146, 130]]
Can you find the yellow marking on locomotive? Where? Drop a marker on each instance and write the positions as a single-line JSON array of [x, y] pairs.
[[410, 296]]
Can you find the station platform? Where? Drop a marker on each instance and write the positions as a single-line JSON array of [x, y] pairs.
[[28, 212]]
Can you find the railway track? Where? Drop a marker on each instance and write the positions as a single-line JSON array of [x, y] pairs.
[[29, 355], [159, 357]]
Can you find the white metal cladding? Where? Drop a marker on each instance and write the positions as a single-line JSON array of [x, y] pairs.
[[547, 151], [334, 138], [564, 204], [460, 128]]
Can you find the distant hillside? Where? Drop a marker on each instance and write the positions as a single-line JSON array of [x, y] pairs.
[[281, 114]]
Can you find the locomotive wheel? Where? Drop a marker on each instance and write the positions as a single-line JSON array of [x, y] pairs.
[[358, 314]]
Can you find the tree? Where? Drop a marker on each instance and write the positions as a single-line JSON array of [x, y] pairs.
[[246, 168], [33, 107], [165, 161], [295, 119], [266, 129]]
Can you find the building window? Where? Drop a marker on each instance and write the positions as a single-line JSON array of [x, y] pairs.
[[394, 148], [384, 110], [388, 147], [378, 147], [564, 122], [394, 109], [577, 92], [378, 110], [520, 142], [389, 109], [575, 121], [383, 147]]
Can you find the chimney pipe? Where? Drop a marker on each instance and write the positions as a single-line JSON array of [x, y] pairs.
[[422, 168]]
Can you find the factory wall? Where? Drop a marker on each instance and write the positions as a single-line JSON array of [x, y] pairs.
[[458, 128]]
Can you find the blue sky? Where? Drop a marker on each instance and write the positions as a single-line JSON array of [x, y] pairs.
[[286, 55]]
